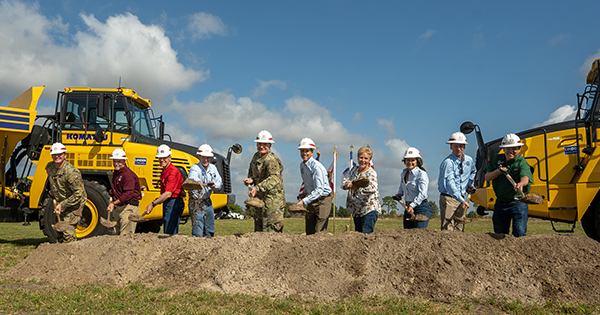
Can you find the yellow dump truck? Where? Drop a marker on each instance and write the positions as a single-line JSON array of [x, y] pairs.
[[91, 123], [565, 161]]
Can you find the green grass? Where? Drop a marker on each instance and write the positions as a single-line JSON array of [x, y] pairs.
[[17, 241]]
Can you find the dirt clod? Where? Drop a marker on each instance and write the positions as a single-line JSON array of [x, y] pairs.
[[412, 263]]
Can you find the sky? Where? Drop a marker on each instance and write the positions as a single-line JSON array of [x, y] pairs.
[[388, 74]]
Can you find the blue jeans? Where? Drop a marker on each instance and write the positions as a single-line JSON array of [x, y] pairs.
[[424, 209], [504, 212], [172, 210], [203, 220], [366, 223]]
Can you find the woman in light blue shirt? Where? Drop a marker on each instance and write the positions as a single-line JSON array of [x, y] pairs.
[[413, 187]]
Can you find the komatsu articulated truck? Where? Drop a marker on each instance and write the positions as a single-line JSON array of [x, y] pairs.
[[91, 123]]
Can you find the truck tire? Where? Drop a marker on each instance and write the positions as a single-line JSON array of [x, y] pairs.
[[591, 221], [89, 225]]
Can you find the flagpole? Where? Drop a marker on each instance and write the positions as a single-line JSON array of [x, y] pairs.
[[334, 183]]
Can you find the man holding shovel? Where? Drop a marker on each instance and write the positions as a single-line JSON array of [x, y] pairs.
[[200, 205], [507, 206], [265, 173], [457, 173], [126, 193], [171, 192], [66, 186]]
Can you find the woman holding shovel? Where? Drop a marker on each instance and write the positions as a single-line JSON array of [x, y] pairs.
[[502, 169], [413, 185]]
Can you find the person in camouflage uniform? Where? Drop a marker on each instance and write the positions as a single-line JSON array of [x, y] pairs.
[[265, 173], [66, 186]]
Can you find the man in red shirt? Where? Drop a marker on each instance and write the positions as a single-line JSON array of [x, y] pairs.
[[170, 190], [126, 193]]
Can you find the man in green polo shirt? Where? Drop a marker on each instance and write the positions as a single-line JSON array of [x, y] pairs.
[[507, 208]]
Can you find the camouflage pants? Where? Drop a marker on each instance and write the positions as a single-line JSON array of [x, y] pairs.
[[73, 217], [268, 220]]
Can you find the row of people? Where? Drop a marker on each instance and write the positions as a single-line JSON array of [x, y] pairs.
[[265, 182]]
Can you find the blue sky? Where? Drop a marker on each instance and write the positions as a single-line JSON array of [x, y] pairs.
[[390, 74]]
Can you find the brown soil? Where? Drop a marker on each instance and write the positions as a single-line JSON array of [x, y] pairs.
[[413, 263]]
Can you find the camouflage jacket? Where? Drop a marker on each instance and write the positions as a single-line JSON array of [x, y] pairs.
[[67, 186], [266, 172]]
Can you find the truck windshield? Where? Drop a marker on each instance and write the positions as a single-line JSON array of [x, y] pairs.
[[141, 121]]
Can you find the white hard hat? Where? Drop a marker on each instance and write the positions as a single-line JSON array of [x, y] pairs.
[[163, 151], [412, 153], [264, 137], [511, 140], [58, 148], [205, 150], [307, 143], [118, 154], [457, 137]]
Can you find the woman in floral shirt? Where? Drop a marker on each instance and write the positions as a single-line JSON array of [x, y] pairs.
[[363, 203]]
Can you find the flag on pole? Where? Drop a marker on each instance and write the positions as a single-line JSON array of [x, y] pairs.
[[346, 172], [331, 172]]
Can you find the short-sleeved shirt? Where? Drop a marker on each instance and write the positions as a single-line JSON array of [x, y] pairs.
[[517, 168], [205, 175], [126, 185], [171, 180], [316, 183]]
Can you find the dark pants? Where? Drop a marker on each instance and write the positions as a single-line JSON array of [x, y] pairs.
[[424, 209], [366, 223], [172, 210], [504, 212], [317, 215]]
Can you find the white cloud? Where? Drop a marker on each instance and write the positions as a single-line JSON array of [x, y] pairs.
[[388, 126], [427, 35], [557, 39], [357, 117], [264, 85], [178, 135], [203, 25], [563, 113], [38, 50], [299, 118]]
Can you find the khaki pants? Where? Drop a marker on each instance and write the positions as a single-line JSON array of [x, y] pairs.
[[317, 215], [448, 207], [121, 214]]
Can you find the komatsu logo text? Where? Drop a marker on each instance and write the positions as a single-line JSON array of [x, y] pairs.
[[81, 136]]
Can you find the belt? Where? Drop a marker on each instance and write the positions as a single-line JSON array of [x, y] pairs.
[[444, 194], [323, 198], [134, 202], [424, 201]]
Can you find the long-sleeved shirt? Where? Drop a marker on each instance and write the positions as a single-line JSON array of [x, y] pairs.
[[205, 176], [126, 185], [67, 186], [363, 200], [316, 184], [456, 175], [415, 189]]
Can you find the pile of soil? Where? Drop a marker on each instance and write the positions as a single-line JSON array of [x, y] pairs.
[[412, 263]]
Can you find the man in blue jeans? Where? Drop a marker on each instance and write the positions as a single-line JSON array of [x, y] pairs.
[[171, 193], [200, 205], [507, 208]]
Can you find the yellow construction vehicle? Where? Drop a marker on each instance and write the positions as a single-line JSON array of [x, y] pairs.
[[91, 123], [565, 162]]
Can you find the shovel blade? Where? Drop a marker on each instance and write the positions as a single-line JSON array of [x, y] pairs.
[[534, 199], [136, 218], [61, 226], [107, 223]]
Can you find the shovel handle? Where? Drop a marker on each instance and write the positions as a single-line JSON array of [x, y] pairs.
[[512, 181]]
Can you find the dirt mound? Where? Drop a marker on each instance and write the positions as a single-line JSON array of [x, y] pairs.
[[413, 263]]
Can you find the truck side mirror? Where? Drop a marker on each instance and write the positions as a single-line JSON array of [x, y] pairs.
[[99, 136], [467, 127], [103, 110]]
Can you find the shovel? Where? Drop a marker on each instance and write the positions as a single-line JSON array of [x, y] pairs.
[[61, 225], [534, 199], [107, 222], [413, 217], [461, 218], [137, 217], [254, 202]]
